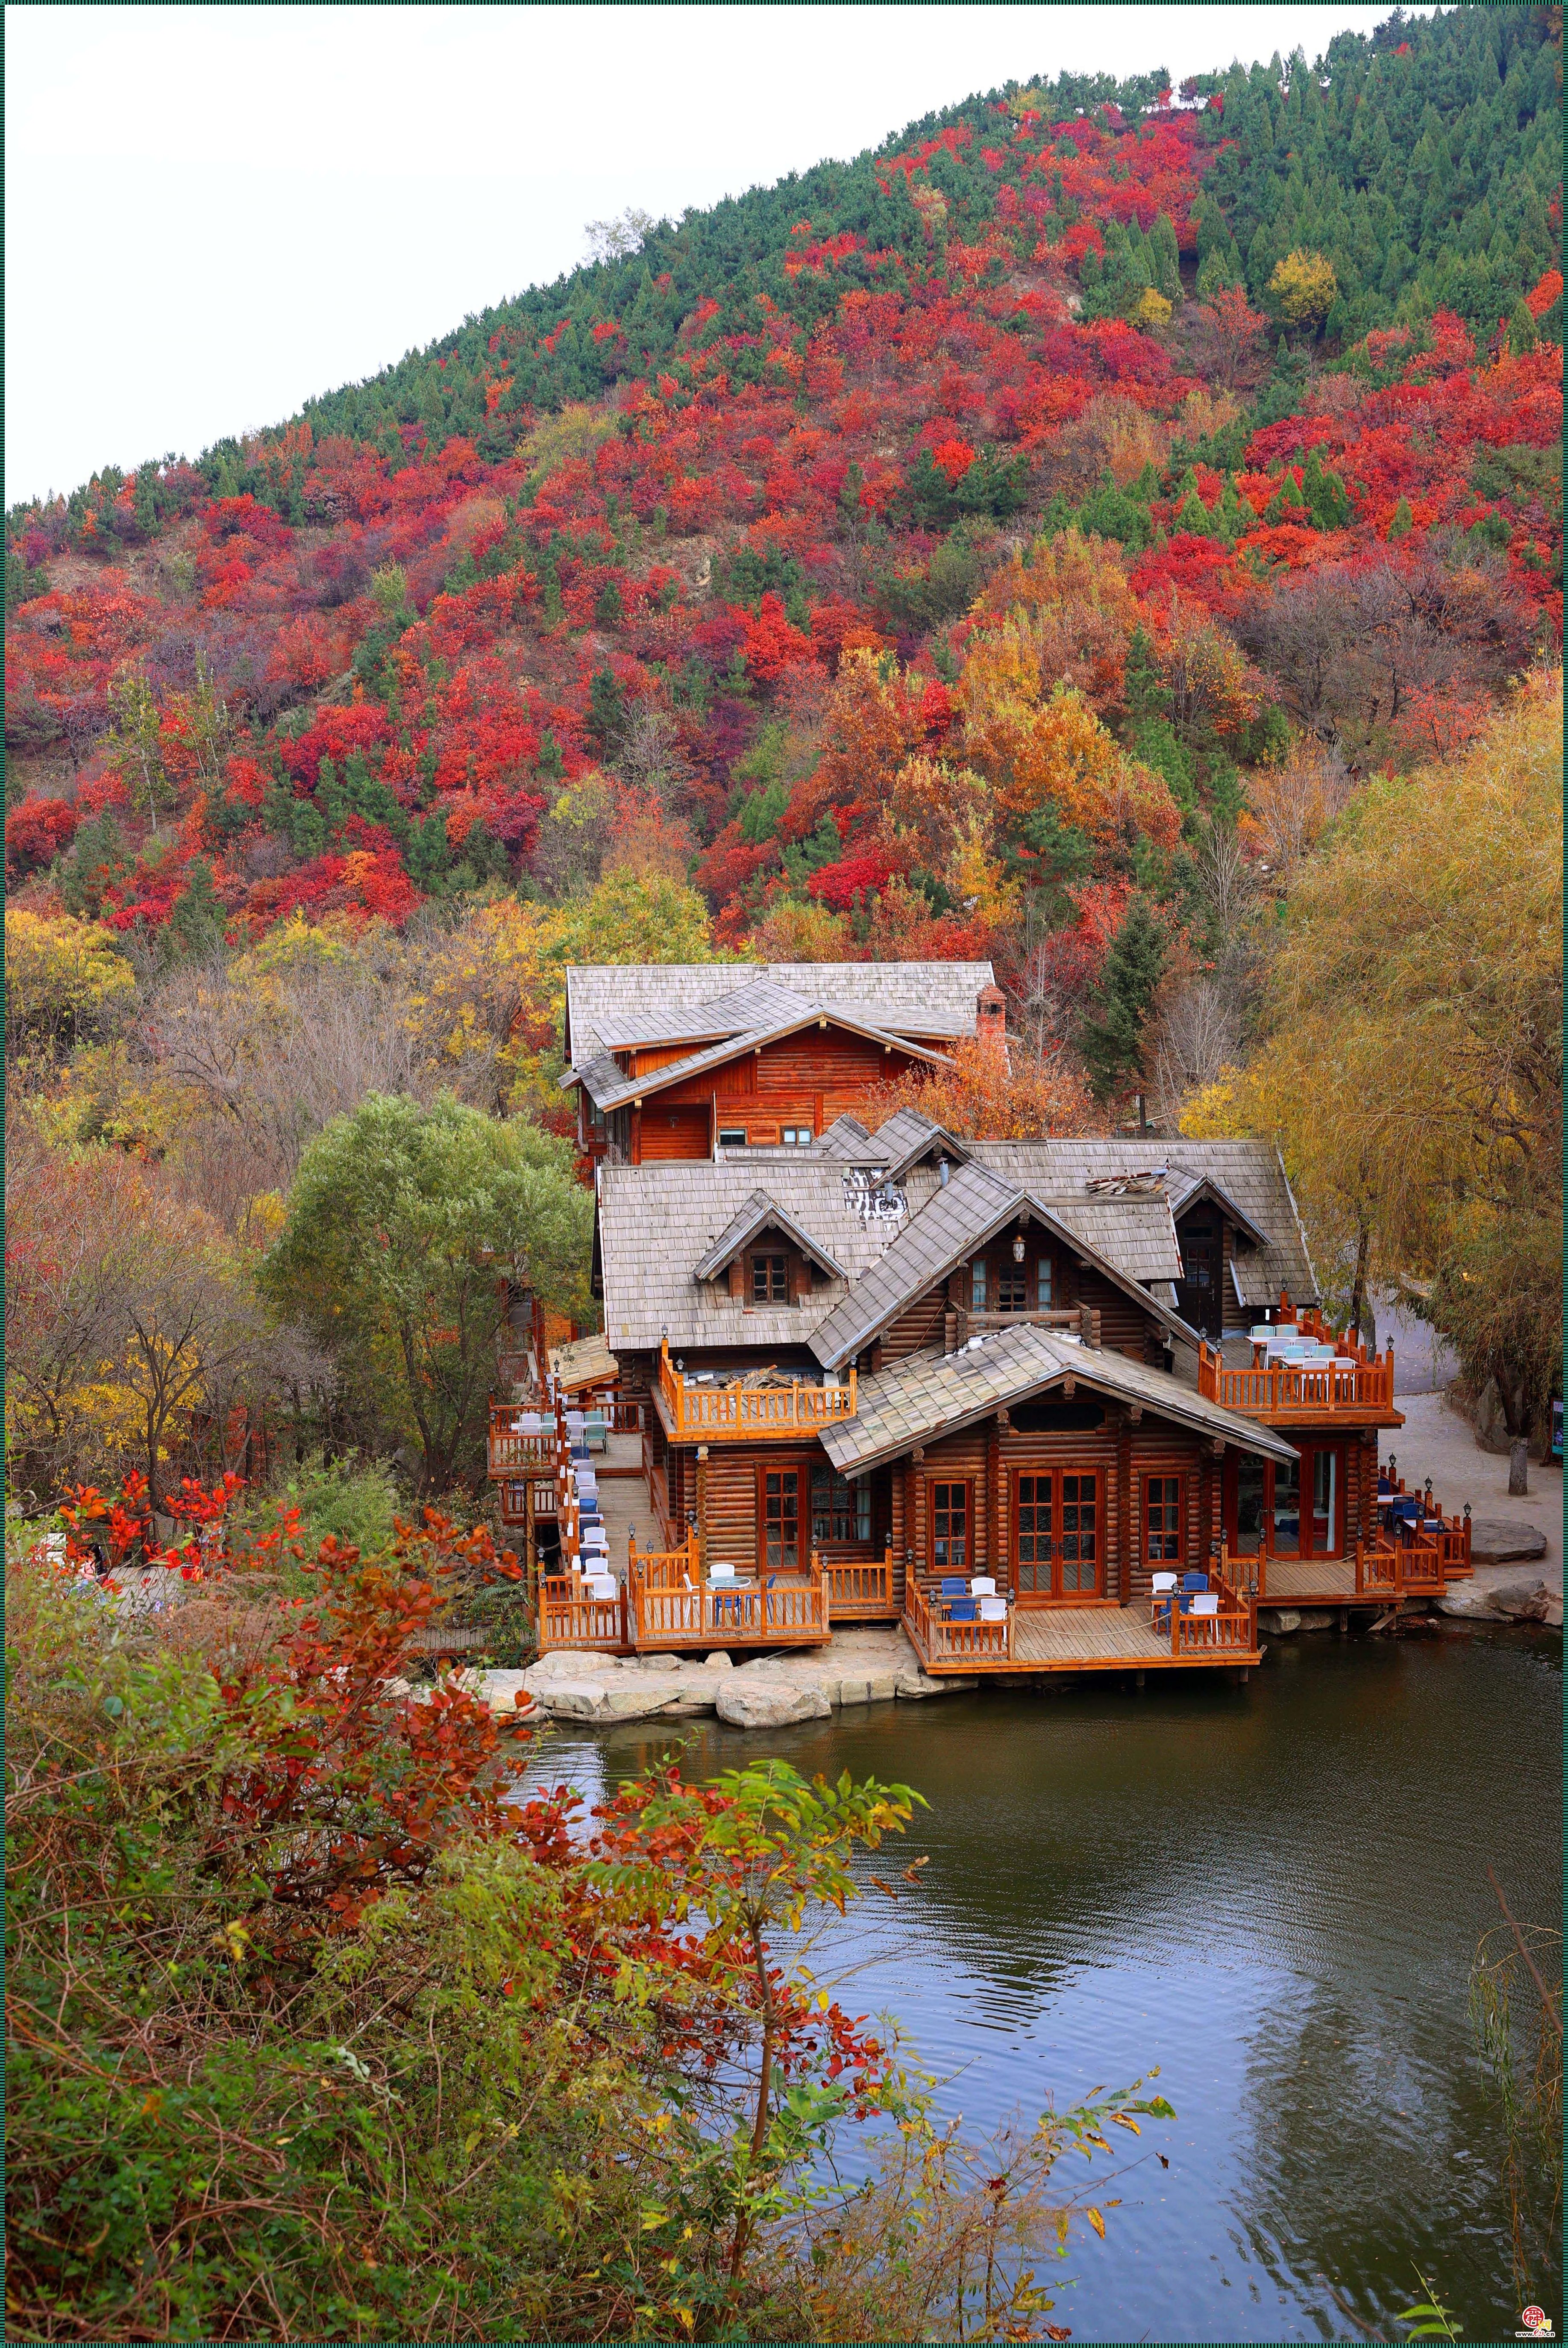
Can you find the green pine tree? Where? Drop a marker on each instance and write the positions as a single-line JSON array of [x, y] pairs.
[[197, 922], [1112, 1043]]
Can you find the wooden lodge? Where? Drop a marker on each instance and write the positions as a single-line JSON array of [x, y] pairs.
[[682, 1060], [1052, 1406]]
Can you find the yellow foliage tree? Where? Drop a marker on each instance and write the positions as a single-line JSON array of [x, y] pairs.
[[1411, 1066], [1069, 603], [574, 432], [1303, 286], [1151, 309], [64, 980], [1046, 749]]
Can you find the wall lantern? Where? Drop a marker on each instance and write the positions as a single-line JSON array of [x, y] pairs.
[[1017, 1249]]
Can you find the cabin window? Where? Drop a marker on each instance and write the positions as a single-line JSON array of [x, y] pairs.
[[1162, 1519], [1044, 1284], [732, 1136], [796, 1137], [770, 1280], [1012, 1289], [950, 1528], [978, 1284], [840, 1510], [781, 1519]]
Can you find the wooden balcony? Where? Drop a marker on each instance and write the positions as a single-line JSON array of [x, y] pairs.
[[512, 1453], [1305, 1393], [672, 1605], [740, 1413]]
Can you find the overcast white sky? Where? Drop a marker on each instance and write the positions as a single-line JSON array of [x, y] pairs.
[[213, 212]]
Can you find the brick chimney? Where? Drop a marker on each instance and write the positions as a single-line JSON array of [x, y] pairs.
[[991, 1017]]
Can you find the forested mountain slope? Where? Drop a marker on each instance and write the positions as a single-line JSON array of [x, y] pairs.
[[980, 546]]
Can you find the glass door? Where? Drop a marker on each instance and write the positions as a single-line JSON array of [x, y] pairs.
[[1058, 1534], [781, 1519], [1033, 1535], [1328, 1486], [1199, 1300]]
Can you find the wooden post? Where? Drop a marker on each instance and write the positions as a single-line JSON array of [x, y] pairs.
[[1129, 1529]]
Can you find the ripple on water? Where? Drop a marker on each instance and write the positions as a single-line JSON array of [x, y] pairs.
[[1273, 1892]]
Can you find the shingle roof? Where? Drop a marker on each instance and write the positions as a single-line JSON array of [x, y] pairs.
[[656, 1220], [906, 1136], [761, 1213], [960, 1217], [1186, 1187], [927, 1395], [844, 1139], [1250, 1173], [903, 997]]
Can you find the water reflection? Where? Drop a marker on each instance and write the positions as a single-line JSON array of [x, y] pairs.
[[1273, 1891]]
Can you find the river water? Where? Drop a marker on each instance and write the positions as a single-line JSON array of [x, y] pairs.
[[1273, 1891]]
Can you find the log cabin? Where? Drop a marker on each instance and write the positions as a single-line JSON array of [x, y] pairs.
[[891, 1364], [683, 1060]]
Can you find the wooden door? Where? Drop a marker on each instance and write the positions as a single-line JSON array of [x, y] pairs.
[[1058, 1533]]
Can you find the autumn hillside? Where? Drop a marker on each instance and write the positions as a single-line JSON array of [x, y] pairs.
[[923, 556]]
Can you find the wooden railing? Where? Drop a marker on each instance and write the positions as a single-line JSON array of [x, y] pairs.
[[568, 1617], [859, 1589], [673, 1606], [525, 1500], [1231, 1631], [704, 1414], [511, 1451], [1451, 1533], [940, 1640], [1395, 1568], [1289, 1388]]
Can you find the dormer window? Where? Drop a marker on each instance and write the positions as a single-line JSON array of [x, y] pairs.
[[1044, 1285], [770, 1280], [1012, 1289], [978, 1285]]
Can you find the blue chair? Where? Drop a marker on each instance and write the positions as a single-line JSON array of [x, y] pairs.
[[955, 1586], [1192, 1583], [961, 1610]]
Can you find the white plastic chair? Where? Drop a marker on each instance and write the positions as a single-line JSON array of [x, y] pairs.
[[983, 1585], [1163, 1584], [1206, 1602], [720, 1573], [532, 1423], [991, 1609]]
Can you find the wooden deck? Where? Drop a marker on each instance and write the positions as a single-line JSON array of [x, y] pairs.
[[1379, 1577], [1039, 1639]]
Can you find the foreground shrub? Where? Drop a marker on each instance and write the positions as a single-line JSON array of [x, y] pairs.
[[316, 2032]]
